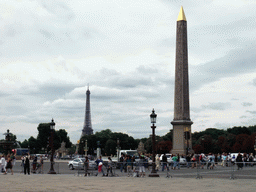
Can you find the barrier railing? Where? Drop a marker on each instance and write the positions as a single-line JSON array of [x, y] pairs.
[[229, 170]]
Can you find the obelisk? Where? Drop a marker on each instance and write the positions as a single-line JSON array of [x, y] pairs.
[[181, 122]]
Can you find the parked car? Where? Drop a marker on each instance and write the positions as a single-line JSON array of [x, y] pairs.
[[169, 159], [65, 157], [78, 163]]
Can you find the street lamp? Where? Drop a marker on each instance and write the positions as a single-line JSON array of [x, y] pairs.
[[118, 148], [153, 121], [52, 125], [85, 148], [187, 137]]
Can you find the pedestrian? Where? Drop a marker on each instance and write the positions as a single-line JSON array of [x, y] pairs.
[[175, 161], [13, 159], [86, 166], [34, 164], [109, 167], [27, 164], [141, 166], [9, 165], [99, 163], [188, 159], [129, 165], [41, 164], [157, 162], [2, 164], [239, 161], [121, 160], [164, 163]]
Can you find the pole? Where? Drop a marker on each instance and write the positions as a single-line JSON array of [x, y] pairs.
[[52, 149], [153, 172]]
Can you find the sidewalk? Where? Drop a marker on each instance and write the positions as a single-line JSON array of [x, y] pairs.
[[46, 182]]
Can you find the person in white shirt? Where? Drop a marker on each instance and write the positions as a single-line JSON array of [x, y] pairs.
[[2, 164]]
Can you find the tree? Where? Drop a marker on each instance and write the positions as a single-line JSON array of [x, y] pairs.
[[24, 144], [34, 146]]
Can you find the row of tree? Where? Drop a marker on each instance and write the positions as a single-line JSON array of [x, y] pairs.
[[40, 144], [236, 139]]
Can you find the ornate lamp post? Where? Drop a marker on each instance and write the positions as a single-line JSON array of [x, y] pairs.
[[187, 137], [98, 149], [85, 148], [153, 121], [52, 125], [118, 148]]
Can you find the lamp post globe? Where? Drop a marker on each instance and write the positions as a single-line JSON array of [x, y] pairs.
[[52, 127], [153, 121], [153, 117]]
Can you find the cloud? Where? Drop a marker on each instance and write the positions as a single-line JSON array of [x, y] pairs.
[[246, 104], [251, 112]]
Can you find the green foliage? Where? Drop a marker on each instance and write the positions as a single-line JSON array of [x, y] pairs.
[[239, 130], [42, 141], [108, 142]]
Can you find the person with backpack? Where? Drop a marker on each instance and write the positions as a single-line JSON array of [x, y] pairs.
[[27, 164]]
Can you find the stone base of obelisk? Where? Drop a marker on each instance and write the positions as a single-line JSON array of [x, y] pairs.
[[179, 142]]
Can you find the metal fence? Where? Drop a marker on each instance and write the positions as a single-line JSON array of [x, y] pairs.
[[229, 170]]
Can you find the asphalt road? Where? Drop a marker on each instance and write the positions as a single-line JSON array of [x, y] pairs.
[[61, 167]]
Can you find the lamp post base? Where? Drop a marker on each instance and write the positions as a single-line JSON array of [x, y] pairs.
[[51, 172], [153, 175]]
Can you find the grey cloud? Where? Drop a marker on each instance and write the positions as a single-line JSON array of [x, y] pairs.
[[246, 104], [238, 61], [214, 106], [217, 106], [251, 112], [254, 82]]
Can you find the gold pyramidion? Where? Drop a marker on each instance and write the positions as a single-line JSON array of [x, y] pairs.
[[181, 16]]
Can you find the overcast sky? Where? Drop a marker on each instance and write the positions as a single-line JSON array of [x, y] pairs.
[[50, 50]]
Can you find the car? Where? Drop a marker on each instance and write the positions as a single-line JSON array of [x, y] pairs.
[[65, 157], [78, 163], [169, 159]]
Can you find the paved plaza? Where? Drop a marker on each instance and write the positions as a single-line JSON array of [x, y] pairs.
[[67, 182]]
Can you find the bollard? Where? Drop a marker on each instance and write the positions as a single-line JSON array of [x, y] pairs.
[[232, 171], [198, 176], [168, 172]]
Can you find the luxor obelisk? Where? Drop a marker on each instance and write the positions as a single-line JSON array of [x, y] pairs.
[[181, 122]]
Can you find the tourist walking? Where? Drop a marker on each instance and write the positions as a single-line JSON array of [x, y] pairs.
[[121, 160], [86, 166], [34, 164], [109, 167], [27, 164], [99, 163], [41, 164], [164, 163], [239, 161], [129, 165], [157, 159], [141, 166], [175, 161], [9, 165], [2, 164]]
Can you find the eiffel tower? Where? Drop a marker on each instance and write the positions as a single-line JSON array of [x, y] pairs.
[[87, 128]]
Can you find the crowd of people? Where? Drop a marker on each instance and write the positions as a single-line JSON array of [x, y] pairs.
[[136, 167], [7, 162]]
